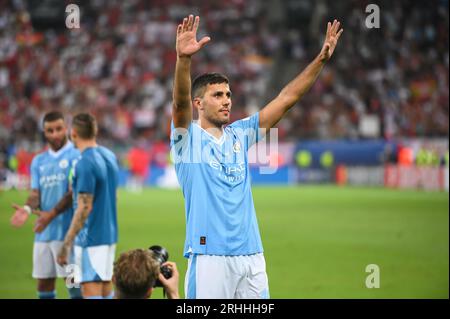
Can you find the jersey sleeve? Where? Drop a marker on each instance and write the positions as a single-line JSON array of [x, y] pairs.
[[85, 177], [249, 129]]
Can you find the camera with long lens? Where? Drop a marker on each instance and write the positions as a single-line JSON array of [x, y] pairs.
[[161, 256]]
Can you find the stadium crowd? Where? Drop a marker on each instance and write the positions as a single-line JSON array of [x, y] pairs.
[[119, 66]]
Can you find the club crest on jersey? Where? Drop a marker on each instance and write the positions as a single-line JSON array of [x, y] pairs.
[[237, 147], [63, 163]]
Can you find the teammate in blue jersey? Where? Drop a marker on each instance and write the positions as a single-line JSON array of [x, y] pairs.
[[223, 243], [93, 231], [49, 184]]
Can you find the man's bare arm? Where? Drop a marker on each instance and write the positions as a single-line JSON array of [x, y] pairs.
[[186, 46], [46, 217], [63, 204], [182, 108], [272, 113], [82, 212], [33, 199], [22, 213]]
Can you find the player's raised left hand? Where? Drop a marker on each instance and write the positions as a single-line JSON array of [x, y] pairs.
[[331, 39]]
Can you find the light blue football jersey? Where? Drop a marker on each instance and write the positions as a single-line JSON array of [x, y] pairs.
[[50, 175], [215, 180], [97, 173]]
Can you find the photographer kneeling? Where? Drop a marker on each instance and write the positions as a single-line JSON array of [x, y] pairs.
[[136, 273]]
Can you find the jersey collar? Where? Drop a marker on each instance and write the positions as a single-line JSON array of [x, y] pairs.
[[218, 141], [61, 150]]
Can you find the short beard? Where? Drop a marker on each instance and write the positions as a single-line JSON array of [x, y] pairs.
[[218, 123], [63, 142]]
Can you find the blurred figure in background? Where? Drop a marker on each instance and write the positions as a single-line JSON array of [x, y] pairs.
[[49, 185], [138, 158]]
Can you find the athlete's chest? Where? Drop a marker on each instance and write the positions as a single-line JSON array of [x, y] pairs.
[[224, 161], [53, 172]]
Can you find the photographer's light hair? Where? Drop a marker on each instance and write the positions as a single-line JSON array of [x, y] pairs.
[[135, 273]]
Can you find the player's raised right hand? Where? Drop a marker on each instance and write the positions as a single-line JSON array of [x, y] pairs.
[[187, 43], [20, 216]]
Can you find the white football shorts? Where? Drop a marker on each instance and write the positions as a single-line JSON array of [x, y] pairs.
[[95, 263], [226, 277], [44, 260]]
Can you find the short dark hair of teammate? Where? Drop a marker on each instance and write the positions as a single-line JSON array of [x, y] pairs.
[[135, 273], [85, 126], [52, 116], [200, 82]]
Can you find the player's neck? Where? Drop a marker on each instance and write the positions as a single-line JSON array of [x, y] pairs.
[[84, 144], [214, 130], [56, 150]]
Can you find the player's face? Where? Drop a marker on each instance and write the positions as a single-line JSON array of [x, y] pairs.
[[55, 133], [215, 106]]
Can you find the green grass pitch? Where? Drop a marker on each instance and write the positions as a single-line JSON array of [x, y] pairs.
[[318, 240]]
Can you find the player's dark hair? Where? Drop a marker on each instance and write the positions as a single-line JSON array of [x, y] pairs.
[[200, 82], [53, 116], [85, 125]]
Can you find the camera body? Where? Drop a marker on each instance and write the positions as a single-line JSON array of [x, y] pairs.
[[161, 255]]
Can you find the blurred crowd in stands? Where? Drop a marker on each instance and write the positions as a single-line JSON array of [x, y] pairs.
[[119, 66]]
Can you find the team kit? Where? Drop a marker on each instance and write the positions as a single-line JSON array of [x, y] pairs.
[[74, 186]]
